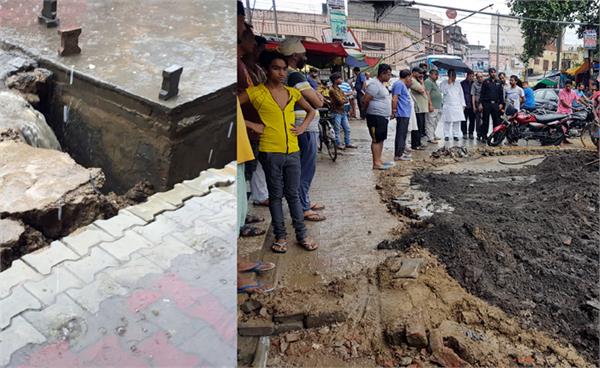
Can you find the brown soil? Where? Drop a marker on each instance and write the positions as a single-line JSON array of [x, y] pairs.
[[378, 305], [529, 248], [96, 205]]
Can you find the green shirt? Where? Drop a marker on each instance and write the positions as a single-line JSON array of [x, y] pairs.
[[421, 100], [434, 93]]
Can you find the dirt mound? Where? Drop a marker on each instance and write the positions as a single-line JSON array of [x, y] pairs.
[[525, 240], [392, 320]]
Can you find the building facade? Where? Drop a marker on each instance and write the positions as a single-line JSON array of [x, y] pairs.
[[477, 57], [377, 39]]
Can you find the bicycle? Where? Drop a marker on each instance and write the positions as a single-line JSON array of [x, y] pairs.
[[327, 133]]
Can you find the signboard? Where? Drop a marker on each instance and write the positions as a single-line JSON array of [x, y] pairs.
[[349, 41], [590, 39], [337, 21]]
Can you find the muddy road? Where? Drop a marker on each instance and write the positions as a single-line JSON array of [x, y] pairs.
[[525, 240]]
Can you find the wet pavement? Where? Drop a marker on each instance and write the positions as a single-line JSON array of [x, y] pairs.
[[128, 44], [150, 287]]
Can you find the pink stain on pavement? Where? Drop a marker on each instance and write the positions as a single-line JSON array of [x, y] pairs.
[[166, 355], [109, 353], [53, 355], [141, 299], [181, 292]]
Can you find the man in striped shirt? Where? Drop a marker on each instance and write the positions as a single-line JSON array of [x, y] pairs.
[[339, 101], [345, 87]]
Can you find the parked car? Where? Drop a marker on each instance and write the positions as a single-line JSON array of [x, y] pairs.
[[546, 98]]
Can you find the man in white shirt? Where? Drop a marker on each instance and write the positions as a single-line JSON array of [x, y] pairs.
[[377, 102], [514, 94]]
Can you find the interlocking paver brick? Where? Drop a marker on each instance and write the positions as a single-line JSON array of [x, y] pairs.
[[87, 267], [63, 319], [90, 296], [19, 301], [85, 238], [205, 181], [171, 319], [149, 209], [18, 272], [116, 225], [44, 259], [163, 254], [19, 334], [129, 273], [178, 194], [123, 247], [49, 287], [159, 228]]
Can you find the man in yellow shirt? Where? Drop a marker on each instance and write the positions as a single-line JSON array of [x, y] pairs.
[[278, 147]]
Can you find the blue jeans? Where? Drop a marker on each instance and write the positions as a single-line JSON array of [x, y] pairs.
[[282, 172], [341, 119], [308, 161]]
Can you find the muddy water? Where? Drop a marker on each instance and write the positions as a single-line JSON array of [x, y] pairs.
[[17, 114]]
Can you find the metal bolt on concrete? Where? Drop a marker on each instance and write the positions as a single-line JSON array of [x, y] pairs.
[[149, 287]]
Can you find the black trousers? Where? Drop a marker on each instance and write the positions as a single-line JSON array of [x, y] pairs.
[[489, 109], [470, 116], [250, 166], [401, 132], [421, 124], [361, 109]]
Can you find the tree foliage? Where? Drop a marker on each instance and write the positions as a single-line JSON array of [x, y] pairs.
[[536, 35]]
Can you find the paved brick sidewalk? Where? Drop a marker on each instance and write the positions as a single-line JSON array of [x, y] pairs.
[[153, 286]]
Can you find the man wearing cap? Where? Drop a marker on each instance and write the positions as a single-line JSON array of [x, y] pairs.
[[295, 54], [492, 99]]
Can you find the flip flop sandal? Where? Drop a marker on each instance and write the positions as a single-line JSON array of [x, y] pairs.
[[317, 207], [308, 245], [382, 168], [248, 231], [279, 247], [260, 267], [315, 217], [257, 287], [251, 219]]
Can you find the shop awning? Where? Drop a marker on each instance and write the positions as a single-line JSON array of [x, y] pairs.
[[327, 49], [579, 69], [353, 62]]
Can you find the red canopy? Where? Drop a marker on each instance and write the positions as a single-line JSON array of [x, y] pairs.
[[372, 61], [316, 48], [328, 49]]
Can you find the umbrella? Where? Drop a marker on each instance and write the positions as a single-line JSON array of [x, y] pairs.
[[545, 83], [455, 64]]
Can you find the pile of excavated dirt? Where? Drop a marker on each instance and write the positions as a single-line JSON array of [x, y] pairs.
[[390, 320], [524, 240]]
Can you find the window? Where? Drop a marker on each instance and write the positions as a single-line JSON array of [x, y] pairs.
[[373, 46], [545, 65], [536, 61]]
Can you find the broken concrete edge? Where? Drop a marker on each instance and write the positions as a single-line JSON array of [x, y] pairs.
[[217, 178], [228, 173], [167, 107]]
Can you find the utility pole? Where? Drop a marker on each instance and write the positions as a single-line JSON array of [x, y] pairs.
[[275, 19], [558, 48], [498, 44], [249, 12]]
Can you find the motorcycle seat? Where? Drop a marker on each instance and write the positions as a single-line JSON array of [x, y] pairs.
[[548, 118]]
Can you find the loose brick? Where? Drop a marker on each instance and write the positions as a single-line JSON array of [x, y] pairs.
[[415, 333], [288, 326], [410, 268], [325, 318], [256, 328], [250, 305], [284, 318]]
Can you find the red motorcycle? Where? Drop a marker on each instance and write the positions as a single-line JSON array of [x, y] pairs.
[[549, 129]]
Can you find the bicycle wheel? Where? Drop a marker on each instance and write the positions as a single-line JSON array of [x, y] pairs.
[[331, 149]]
